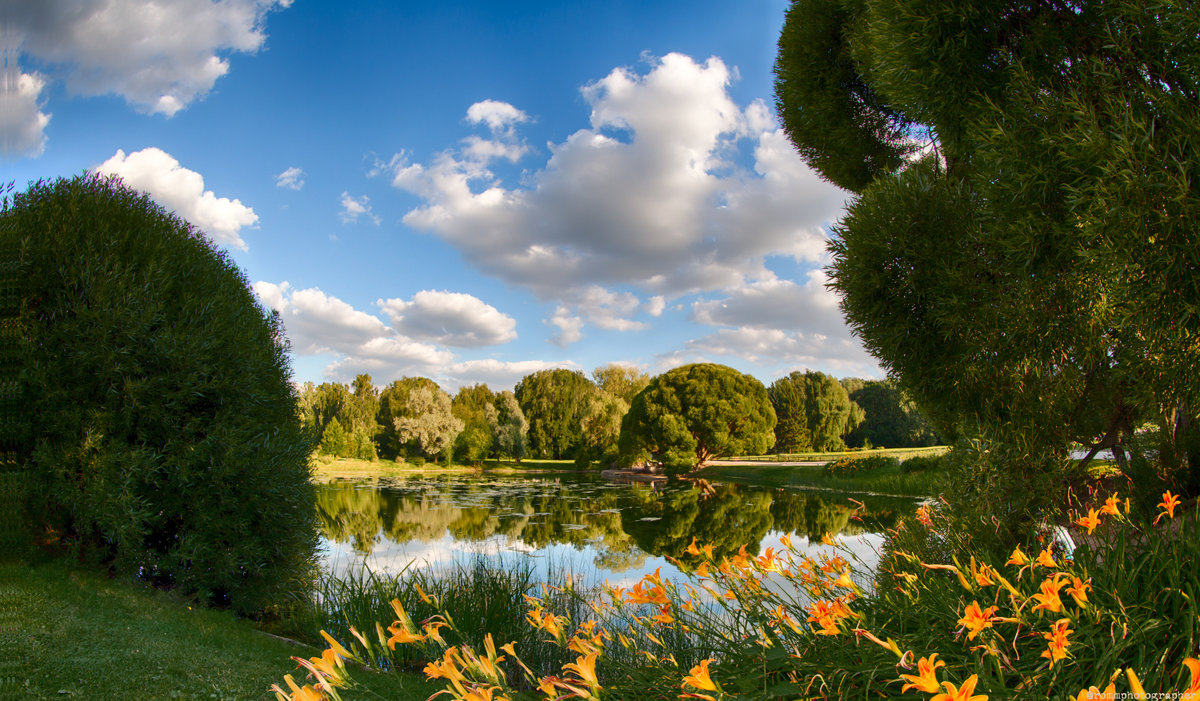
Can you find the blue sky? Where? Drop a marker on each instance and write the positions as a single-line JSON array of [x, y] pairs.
[[464, 191]]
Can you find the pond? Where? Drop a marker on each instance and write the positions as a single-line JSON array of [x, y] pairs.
[[595, 530]]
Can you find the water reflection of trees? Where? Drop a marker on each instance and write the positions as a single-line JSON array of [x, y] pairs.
[[622, 525]]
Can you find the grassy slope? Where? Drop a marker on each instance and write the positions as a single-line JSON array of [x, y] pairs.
[[75, 633], [882, 481]]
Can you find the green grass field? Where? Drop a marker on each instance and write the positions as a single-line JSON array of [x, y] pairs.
[[70, 632], [326, 468]]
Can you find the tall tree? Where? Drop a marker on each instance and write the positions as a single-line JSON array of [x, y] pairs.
[[1032, 273], [694, 413], [474, 442], [890, 418], [508, 425], [429, 423], [621, 381], [395, 403], [813, 412], [556, 403]]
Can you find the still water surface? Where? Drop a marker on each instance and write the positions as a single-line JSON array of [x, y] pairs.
[[594, 529]]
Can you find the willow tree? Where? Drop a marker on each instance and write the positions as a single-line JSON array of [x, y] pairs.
[[1020, 252]]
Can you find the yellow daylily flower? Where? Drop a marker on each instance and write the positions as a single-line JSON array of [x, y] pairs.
[[1135, 684], [1078, 590], [1046, 559], [585, 669]]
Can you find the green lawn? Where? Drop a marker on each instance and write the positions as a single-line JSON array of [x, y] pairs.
[[70, 632], [325, 467], [882, 481]]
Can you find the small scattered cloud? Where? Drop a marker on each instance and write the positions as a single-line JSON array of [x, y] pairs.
[[292, 179], [157, 173], [500, 117], [353, 208], [655, 305], [451, 319], [570, 327]]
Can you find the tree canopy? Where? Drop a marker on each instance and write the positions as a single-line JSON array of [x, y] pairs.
[[1021, 251], [555, 403], [163, 434], [694, 413], [813, 412]]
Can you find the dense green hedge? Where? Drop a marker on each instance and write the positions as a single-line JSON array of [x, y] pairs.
[[164, 436]]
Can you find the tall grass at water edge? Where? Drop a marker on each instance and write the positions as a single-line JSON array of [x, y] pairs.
[[1118, 616]]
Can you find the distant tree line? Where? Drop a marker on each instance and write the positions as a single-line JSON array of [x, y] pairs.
[[687, 415]]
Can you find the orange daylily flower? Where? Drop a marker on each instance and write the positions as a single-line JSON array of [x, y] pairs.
[[926, 677], [1057, 636], [1110, 505], [1094, 694], [299, 693], [1078, 590], [698, 678], [975, 619], [1048, 598], [1192, 693], [585, 669], [1045, 559], [1018, 558], [1089, 522], [692, 549], [1169, 502], [923, 516], [963, 693]]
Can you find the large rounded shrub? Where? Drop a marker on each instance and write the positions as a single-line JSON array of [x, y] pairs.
[[695, 413], [164, 435]]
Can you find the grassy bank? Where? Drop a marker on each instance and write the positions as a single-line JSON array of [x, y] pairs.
[[326, 468], [70, 632], [886, 480]]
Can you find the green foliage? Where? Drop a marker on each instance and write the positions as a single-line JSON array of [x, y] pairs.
[[1031, 276], [335, 440], [555, 403], [508, 426], [889, 418], [394, 403], [432, 425], [695, 413], [159, 396], [844, 467], [474, 443], [622, 381], [813, 412]]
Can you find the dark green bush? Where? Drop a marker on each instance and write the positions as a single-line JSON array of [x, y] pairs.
[[164, 433], [843, 467]]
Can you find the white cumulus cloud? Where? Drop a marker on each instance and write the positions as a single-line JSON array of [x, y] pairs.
[[451, 319], [570, 327], [777, 304], [647, 197], [159, 55], [22, 122], [157, 173]]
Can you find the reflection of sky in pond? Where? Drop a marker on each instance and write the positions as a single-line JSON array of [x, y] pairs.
[[595, 530]]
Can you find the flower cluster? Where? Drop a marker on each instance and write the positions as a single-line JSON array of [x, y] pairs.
[[795, 622]]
